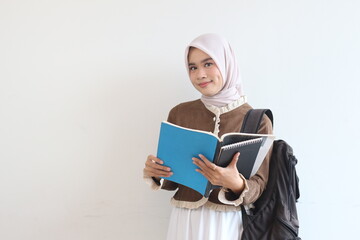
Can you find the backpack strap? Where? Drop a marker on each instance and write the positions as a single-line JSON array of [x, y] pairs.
[[251, 124], [253, 118]]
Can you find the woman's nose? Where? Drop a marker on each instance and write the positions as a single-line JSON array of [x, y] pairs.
[[201, 73]]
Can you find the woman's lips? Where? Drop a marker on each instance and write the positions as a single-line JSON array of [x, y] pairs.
[[204, 84]]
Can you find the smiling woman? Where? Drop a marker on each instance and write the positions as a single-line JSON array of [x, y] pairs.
[[213, 71]]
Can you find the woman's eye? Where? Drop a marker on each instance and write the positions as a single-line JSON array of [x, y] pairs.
[[208, 64], [192, 68]]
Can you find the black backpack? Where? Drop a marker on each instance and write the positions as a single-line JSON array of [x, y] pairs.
[[274, 216]]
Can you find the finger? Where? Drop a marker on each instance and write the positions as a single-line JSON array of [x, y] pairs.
[[155, 159], [156, 166], [153, 172], [209, 164], [207, 175], [203, 169], [158, 173], [156, 163], [234, 160], [204, 173], [199, 163]]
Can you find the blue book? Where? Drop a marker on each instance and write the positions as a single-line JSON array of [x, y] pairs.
[[178, 145]]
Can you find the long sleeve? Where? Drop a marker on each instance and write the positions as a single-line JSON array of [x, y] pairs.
[[162, 184]]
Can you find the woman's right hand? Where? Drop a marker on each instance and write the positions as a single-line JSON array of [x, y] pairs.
[[154, 168]]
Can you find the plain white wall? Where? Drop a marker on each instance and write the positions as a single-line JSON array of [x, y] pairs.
[[85, 84]]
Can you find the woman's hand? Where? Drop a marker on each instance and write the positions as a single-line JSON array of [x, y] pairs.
[[227, 177], [154, 168]]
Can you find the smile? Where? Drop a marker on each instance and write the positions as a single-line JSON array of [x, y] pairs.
[[204, 84]]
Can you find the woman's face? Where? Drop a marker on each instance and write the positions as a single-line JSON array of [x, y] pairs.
[[204, 74]]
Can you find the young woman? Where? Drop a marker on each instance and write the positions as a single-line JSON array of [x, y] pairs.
[[213, 71]]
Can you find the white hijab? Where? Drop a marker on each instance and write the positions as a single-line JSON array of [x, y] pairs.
[[223, 55]]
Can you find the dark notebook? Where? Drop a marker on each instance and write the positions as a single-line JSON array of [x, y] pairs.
[[248, 152]]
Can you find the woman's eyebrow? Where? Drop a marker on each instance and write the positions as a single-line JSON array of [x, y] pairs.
[[205, 60]]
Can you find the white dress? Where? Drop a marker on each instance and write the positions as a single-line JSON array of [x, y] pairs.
[[204, 224]]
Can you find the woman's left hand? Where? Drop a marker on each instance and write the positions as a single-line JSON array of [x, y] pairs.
[[227, 177]]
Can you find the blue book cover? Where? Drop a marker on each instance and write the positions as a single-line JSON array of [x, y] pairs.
[[177, 146]]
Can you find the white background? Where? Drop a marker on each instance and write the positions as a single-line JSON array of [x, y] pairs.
[[85, 84]]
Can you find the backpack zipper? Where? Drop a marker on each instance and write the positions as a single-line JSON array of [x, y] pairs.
[[288, 227]]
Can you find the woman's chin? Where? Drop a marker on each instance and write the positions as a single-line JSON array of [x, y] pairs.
[[208, 94]]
